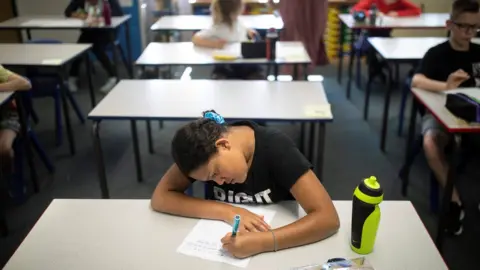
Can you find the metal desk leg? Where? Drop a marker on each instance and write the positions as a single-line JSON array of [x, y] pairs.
[[129, 50], [102, 174], [305, 72], [447, 195], [149, 137], [66, 111], [306, 140], [350, 64], [29, 34], [340, 53], [28, 146], [89, 77], [275, 71], [295, 72], [386, 108], [318, 154], [409, 146], [136, 151]]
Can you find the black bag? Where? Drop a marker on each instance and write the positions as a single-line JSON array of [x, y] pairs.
[[463, 107]]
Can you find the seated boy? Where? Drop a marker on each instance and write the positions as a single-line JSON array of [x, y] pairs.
[[9, 127], [99, 39], [449, 65]]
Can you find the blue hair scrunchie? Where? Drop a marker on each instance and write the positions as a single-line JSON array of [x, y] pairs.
[[215, 117]]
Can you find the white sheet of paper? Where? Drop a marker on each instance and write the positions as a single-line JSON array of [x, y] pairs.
[[203, 241]]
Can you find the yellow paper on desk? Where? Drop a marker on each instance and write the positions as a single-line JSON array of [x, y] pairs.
[[52, 61], [225, 55], [324, 111]]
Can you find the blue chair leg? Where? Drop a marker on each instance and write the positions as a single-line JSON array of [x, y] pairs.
[[58, 118], [403, 104], [434, 190], [358, 72], [41, 153], [76, 108], [27, 101]]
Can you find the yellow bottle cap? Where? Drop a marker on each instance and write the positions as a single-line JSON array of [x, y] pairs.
[[372, 182]]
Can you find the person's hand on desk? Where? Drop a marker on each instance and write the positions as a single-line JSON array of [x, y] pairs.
[[456, 78], [392, 14], [247, 244], [250, 222], [253, 34], [79, 15]]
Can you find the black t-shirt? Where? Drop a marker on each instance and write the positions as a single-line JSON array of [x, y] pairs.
[[442, 60], [277, 165]]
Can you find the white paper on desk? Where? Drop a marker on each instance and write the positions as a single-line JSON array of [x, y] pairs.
[[203, 241]]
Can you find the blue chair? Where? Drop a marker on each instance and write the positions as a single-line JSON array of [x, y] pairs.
[[46, 84]]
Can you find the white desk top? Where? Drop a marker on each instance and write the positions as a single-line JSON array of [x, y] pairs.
[[200, 22], [4, 96], [234, 100], [435, 103], [406, 48], [185, 53], [53, 55], [127, 234], [56, 22], [424, 21]]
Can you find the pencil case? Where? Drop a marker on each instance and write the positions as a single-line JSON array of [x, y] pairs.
[[254, 49], [464, 107]]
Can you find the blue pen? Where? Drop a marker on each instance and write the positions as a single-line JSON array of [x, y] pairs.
[[236, 223]]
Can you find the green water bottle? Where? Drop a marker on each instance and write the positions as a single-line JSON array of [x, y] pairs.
[[365, 215]]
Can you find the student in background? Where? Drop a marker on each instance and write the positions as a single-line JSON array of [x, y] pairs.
[[226, 28], [449, 65], [391, 8], [244, 163], [97, 37], [9, 127]]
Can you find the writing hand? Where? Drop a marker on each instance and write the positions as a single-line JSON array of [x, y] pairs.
[[247, 244], [252, 34]]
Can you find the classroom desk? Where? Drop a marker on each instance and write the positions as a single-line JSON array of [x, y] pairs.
[[424, 21], [127, 234], [6, 97], [185, 53], [397, 51], [59, 22], [182, 100], [200, 22], [54, 56], [434, 102]]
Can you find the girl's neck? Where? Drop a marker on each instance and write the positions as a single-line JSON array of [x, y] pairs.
[[244, 136]]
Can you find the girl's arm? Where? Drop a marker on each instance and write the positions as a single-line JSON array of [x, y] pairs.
[[169, 197], [199, 40], [72, 8], [320, 222], [13, 82], [408, 9], [362, 5]]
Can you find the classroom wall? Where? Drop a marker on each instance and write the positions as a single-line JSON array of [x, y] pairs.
[[431, 6]]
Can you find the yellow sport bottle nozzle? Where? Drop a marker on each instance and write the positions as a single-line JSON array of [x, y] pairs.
[[372, 182]]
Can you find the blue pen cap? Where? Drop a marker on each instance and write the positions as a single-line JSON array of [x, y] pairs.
[[236, 223]]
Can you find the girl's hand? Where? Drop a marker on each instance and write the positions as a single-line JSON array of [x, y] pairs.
[[252, 34], [246, 244], [220, 43], [249, 222]]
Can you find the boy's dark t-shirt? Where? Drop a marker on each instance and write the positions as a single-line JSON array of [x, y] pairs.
[[442, 60], [277, 165]]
